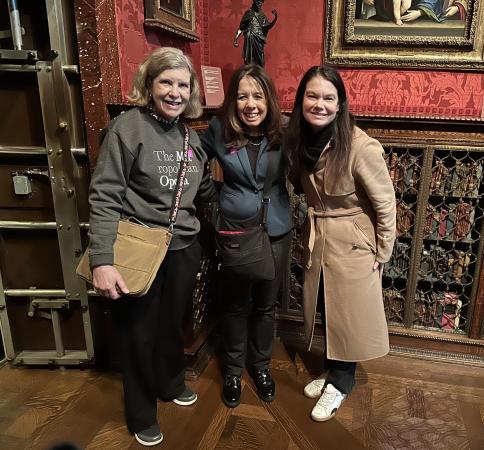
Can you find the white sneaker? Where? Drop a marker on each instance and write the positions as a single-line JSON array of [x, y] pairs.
[[315, 388], [328, 404]]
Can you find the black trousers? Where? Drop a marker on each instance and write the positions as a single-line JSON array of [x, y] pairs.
[[248, 314], [341, 374], [151, 329]]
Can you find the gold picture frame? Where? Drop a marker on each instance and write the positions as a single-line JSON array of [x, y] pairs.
[[431, 40], [175, 16]]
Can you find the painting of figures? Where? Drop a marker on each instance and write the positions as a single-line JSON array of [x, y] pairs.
[[405, 33], [411, 17]]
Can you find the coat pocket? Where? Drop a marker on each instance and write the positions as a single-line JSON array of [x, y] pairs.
[[363, 237]]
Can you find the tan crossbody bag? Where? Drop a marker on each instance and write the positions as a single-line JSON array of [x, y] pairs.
[[138, 249]]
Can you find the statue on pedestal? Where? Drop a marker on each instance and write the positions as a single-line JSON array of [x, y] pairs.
[[255, 26]]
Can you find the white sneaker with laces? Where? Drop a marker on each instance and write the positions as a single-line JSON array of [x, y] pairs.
[[327, 404], [315, 388]]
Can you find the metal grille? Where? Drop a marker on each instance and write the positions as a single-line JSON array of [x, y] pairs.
[[201, 294], [205, 281], [296, 271], [451, 232], [432, 277], [405, 168]]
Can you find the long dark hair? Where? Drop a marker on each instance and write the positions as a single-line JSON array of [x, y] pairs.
[[233, 126], [341, 127]]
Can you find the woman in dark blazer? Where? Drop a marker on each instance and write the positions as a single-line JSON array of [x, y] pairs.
[[247, 132]]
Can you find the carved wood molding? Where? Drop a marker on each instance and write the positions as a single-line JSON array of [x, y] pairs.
[[424, 132]]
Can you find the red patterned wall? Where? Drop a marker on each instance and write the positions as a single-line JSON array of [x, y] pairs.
[[415, 93], [135, 41], [295, 44], [217, 22]]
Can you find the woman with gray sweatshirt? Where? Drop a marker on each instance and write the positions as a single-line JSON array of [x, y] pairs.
[[135, 177]]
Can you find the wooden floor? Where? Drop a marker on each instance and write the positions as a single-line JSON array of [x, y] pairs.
[[399, 403]]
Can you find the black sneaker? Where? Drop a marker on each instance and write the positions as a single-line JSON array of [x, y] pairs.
[[231, 390], [188, 397], [149, 437], [266, 386]]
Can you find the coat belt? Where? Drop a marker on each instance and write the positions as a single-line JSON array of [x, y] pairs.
[[314, 214]]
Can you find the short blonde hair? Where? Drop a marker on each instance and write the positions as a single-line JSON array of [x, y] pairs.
[[165, 58]]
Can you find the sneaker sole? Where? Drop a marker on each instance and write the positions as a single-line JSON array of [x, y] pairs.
[[146, 443], [185, 403], [323, 419]]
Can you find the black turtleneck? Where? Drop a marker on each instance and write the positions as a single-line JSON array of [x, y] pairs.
[[312, 146], [165, 124], [253, 146]]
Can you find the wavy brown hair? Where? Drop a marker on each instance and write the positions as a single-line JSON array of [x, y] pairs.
[[341, 127], [233, 127]]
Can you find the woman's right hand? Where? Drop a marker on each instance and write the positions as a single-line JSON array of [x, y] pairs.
[[411, 14], [108, 282]]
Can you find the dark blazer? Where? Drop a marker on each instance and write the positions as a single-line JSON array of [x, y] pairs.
[[241, 194]]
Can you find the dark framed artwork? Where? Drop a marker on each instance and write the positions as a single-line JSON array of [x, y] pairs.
[[406, 33], [175, 16]]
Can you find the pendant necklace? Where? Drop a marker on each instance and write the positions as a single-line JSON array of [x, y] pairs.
[[255, 144]]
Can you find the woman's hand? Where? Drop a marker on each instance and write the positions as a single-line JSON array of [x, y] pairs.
[[379, 267], [452, 10], [108, 282], [412, 14]]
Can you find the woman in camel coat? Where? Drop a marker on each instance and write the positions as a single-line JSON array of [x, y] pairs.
[[349, 231]]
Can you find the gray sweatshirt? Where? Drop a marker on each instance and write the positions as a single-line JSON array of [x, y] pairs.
[[135, 176]]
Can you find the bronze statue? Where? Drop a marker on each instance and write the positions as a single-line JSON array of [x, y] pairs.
[[255, 26]]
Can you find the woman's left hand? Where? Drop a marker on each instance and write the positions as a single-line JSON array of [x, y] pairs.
[[379, 267]]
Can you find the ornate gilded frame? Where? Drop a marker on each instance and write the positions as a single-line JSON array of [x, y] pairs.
[[180, 22], [344, 45]]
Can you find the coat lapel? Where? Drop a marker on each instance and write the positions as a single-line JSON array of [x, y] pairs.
[[320, 167], [312, 180]]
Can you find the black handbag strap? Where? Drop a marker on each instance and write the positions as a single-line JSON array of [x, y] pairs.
[[270, 175], [180, 181]]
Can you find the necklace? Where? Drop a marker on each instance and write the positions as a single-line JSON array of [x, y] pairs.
[[256, 144], [164, 123]]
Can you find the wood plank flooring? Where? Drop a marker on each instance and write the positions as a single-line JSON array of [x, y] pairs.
[[399, 403]]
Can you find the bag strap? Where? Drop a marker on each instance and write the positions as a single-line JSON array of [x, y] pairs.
[[180, 181], [270, 175]]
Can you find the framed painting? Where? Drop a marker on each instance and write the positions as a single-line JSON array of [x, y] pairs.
[[176, 16], [406, 33]]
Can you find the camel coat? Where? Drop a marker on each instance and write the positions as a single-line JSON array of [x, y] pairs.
[[349, 225]]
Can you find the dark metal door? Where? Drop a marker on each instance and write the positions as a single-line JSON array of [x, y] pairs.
[[44, 309]]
